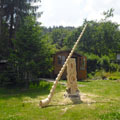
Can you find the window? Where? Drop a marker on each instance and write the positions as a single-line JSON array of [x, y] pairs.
[[61, 60], [82, 63]]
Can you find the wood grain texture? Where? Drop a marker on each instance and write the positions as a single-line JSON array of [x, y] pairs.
[[71, 77], [46, 101]]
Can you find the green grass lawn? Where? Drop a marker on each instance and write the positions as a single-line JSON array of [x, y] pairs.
[[100, 101]]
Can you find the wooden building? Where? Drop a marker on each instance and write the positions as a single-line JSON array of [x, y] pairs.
[[3, 65], [81, 64]]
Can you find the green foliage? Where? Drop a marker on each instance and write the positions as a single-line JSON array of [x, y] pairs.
[[8, 77], [4, 42], [28, 46], [100, 38], [42, 85], [105, 63], [71, 38], [89, 75], [33, 52], [12, 26], [102, 74], [31, 57], [114, 67], [115, 76], [14, 12], [96, 63], [58, 36], [93, 63], [108, 13]]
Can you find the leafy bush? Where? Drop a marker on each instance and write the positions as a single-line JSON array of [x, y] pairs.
[[43, 85], [8, 77], [105, 63], [31, 57], [113, 78], [114, 67], [96, 63], [92, 63]]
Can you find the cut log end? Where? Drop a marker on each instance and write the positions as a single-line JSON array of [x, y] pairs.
[[44, 103]]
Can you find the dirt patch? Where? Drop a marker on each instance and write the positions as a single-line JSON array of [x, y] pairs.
[[34, 101], [88, 98], [60, 100]]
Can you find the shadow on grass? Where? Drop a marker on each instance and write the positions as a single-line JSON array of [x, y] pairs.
[[59, 105], [42, 88], [68, 104], [19, 93], [35, 90], [85, 81]]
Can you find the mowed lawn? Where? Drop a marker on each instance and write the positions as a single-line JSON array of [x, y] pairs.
[[100, 101]]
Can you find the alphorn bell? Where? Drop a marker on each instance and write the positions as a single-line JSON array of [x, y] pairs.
[[46, 101]]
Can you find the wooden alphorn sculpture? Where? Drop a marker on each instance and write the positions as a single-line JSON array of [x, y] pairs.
[[72, 91], [46, 101], [72, 88]]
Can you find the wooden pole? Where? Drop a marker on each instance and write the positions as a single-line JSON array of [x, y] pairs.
[[46, 101]]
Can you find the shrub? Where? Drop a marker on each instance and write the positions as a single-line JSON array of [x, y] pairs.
[[90, 75], [96, 63], [114, 67], [113, 78], [105, 63], [43, 85], [92, 63]]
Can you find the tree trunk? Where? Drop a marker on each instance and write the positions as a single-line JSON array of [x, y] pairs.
[[11, 31], [26, 80], [0, 16]]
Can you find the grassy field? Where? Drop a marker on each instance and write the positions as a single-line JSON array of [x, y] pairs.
[[100, 101]]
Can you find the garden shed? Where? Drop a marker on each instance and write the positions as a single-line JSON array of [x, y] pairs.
[[81, 64]]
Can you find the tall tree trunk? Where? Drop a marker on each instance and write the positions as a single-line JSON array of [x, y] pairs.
[[26, 80], [0, 16], [11, 31]]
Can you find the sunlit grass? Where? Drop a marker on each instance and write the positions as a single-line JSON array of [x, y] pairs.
[[100, 101]]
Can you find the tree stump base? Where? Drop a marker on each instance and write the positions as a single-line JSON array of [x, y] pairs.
[[72, 91], [75, 98]]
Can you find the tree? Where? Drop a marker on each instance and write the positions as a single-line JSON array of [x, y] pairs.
[[32, 55], [100, 38], [58, 36], [108, 13], [0, 15], [4, 42], [13, 13]]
